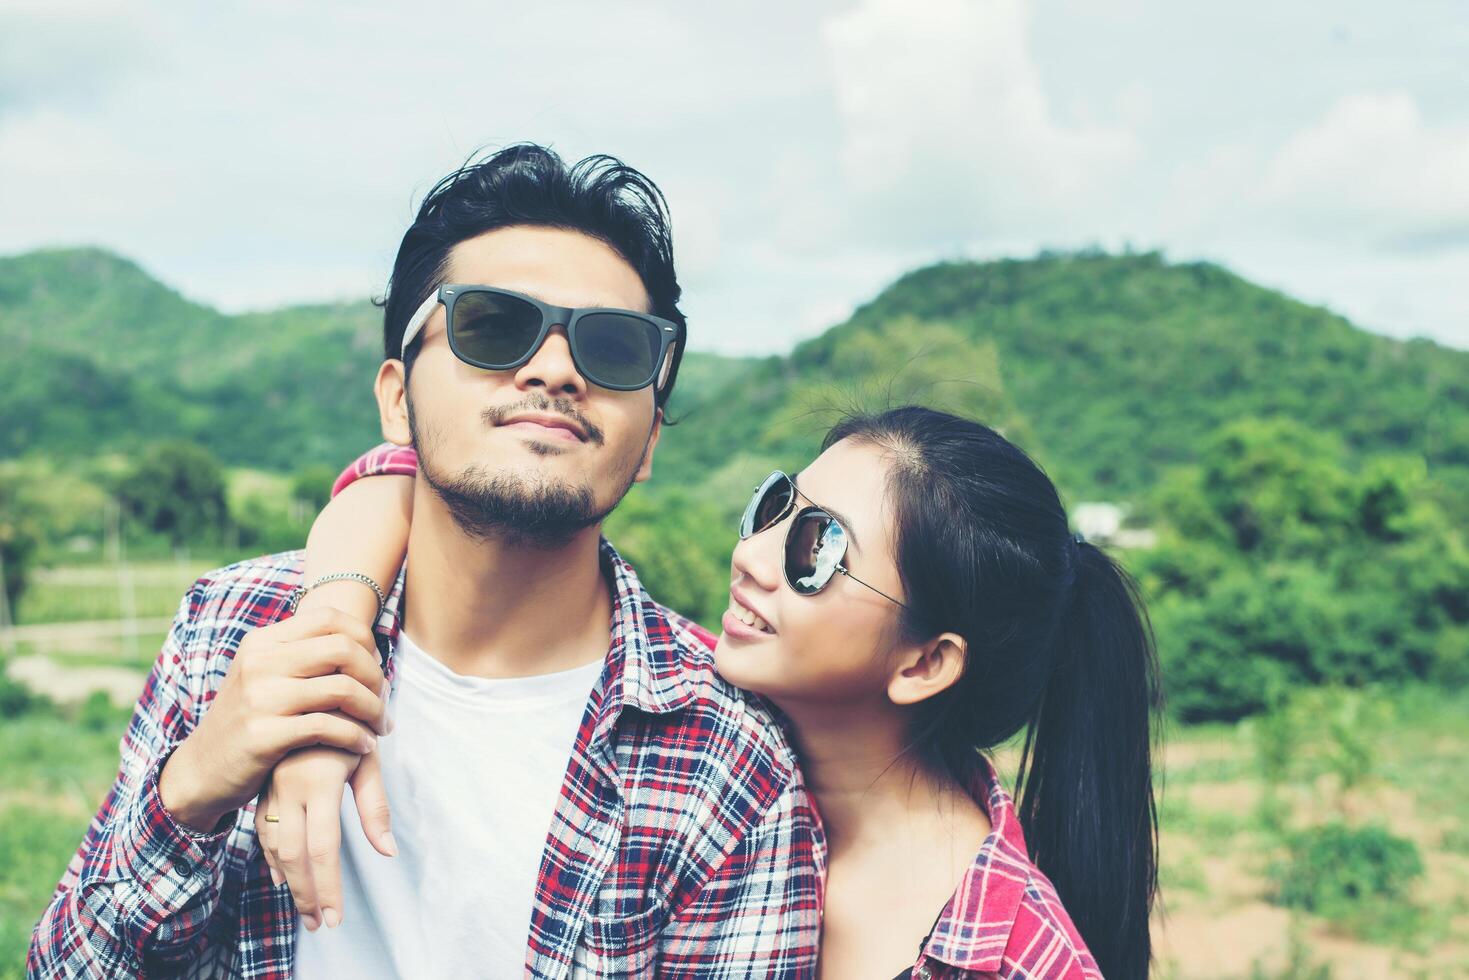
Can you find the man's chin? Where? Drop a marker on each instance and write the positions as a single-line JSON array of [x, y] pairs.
[[522, 504]]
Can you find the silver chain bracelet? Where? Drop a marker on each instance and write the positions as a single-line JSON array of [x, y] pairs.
[[299, 593]]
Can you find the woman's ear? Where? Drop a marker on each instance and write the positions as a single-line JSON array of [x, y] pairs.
[[391, 389], [929, 669]]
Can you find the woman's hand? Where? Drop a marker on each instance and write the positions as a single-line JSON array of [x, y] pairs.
[[303, 849], [304, 793], [309, 680]]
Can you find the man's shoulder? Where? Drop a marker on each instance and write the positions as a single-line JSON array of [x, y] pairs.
[[736, 732], [249, 593]]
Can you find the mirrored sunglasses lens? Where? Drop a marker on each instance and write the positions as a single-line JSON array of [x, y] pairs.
[[494, 330], [814, 549], [767, 505], [618, 350]]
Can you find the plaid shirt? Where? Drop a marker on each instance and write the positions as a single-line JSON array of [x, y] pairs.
[[683, 843], [1004, 919]]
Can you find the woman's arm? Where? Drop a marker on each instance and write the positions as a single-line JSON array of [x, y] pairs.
[[363, 529]]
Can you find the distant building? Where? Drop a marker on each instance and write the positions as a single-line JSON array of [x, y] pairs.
[[1102, 523]]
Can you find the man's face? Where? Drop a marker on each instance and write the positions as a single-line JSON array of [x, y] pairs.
[[535, 453]]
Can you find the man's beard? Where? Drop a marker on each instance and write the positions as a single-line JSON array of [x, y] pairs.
[[509, 506]]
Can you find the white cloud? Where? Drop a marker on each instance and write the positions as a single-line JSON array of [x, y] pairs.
[[68, 52], [273, 152], [947, 130], [1372, 170]]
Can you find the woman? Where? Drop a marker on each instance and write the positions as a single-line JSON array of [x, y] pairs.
[[911, 601]]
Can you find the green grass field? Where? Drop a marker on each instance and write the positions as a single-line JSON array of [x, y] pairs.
[[143, 590], [1216, 855], [1395, 759]]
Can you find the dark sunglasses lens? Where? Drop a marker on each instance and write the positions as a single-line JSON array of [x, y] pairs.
[[618, 350], [815, 547], [494, 330], [767, 505]]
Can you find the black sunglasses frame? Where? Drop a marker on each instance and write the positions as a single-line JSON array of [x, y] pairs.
[[669, 334], [813, 511]]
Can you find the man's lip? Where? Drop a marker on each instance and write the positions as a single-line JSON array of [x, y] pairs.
[[550, 422], [744, 600]]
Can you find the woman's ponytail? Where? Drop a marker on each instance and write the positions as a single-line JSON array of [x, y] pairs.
[[1085, 787], [1058, 646]]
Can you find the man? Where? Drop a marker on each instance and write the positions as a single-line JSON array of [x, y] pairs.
[[678, 838]]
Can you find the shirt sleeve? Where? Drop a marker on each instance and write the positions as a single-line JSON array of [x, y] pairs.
[[384, 460], [141, 888], [760, 912]]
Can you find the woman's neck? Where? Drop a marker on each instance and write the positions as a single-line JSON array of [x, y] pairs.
[[868, 786]]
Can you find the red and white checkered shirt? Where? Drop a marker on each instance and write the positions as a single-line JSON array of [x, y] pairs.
[[1004, 920], [684, 842]]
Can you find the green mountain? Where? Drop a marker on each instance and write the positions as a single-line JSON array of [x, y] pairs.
[[1109, 368]]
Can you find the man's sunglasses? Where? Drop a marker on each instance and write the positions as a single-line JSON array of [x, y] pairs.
[[498, 330], [816, 542]]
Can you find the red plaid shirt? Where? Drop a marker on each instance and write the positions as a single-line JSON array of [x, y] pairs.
[[1004, 919], [684, 842]]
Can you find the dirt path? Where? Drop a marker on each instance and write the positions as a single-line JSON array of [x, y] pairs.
[[63, 634], [70, 685]]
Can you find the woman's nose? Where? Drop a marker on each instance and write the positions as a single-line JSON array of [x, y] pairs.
[[757, 558]]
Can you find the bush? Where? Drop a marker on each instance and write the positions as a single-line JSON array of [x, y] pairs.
[[98, 714], [312, 486], [1341, 873], [1281, 564], [15, 698]]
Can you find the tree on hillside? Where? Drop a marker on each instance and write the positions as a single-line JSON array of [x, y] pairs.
[[20, 536], [312, 487], [175, 489], [1281, 564]]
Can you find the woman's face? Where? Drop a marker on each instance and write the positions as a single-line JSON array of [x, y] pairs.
[[839, 644]]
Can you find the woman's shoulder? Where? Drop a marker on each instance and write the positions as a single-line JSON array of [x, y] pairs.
[[1006, 919]]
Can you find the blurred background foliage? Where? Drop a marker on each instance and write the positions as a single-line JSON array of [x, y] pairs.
[[1305, 481], [1294, 493]]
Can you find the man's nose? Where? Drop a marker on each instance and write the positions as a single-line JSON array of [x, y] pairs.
[[551, 367]]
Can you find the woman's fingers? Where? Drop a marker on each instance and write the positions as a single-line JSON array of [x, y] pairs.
[[321, 728], [371, 798], [325, 621], [265, 833], [323, 851], [291, 853], [335, 692], [337, 654]]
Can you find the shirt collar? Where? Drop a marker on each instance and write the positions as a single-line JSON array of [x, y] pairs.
[[973, 930], [649, 660]]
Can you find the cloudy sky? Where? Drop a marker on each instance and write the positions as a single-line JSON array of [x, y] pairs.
[[256, 155]]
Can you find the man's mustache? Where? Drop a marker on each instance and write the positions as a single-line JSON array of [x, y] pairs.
[[559, 406]]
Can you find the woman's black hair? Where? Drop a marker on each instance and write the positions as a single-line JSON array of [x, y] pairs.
[[527, 184], [1058, 645]]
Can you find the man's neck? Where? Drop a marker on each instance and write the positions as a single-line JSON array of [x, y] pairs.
[[492, 608]]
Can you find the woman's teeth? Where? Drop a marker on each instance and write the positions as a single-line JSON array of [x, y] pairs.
[[749, 618]]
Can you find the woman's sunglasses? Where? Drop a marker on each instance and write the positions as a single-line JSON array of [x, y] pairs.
[[816, 542], [498, 330]]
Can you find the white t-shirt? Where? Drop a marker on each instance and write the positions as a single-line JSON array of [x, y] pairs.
[[473, 770]]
